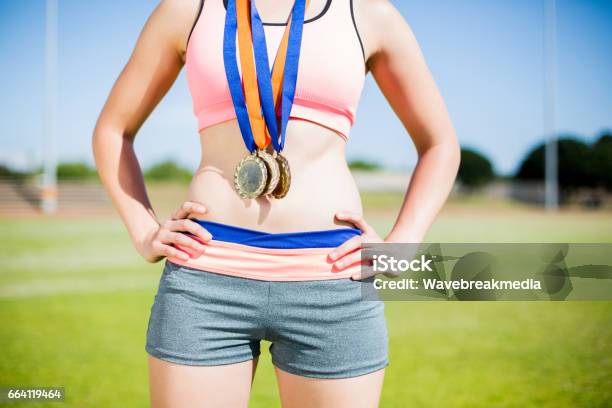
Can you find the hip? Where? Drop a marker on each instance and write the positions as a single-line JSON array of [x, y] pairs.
[[260, 255]]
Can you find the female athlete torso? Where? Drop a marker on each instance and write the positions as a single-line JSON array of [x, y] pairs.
[[330, 78]]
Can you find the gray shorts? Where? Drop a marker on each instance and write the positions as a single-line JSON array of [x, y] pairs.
[[319, 329]]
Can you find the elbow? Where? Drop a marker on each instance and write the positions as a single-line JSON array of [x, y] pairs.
[[104, 137], [454, 154], [95, 143], [453, 157], [98, 138], [446, 149], [450, 150]]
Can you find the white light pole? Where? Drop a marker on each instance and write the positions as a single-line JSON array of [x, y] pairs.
[[551, 171], [49, 181]]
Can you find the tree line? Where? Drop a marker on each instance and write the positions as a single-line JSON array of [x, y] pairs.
[[167, 170], [580, 165]]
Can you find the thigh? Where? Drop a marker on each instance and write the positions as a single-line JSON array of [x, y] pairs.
[[325, 330], [356, 392], [176, 386], [205, 319]]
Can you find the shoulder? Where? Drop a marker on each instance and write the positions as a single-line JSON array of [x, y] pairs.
[[382, 26], [377, 12], [377, 6], [380, 23], [175, 19], [179, 7]]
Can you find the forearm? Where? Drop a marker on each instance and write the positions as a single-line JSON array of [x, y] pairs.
[[431, 182], [122, 178]]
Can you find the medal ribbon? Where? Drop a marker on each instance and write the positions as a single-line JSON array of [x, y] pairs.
[[233, 76], [249, 78], [258, 82], [284, 72]]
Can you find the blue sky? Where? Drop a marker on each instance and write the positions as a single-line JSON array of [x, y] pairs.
[[485, 55]]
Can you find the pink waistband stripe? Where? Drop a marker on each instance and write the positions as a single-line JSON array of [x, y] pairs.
[[270, 264]]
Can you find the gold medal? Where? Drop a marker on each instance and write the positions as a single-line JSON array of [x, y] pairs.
[[284, 182], [261, 173], [273, 171], [251, 176]]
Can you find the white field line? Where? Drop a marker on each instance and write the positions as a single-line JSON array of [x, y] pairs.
[[62, 261], [47, 287], [55, 267]]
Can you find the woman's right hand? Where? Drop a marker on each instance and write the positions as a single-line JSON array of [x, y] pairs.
[[160, 242]]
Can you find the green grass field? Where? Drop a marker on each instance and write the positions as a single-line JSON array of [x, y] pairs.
[[75, 299]]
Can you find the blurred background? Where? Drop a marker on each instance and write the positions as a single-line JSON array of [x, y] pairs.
[[528, 86]]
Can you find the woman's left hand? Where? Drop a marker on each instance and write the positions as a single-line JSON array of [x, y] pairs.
[[349, 252]]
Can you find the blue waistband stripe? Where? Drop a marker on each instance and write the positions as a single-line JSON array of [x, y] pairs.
[[290, 240]]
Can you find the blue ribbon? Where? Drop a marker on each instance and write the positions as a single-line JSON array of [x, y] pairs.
[[233, 76], [264, 77]]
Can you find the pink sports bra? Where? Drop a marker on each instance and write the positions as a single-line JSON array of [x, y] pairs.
[[330, 75]]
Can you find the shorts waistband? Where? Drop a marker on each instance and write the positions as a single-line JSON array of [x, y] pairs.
[[290, 240], [252, 254]]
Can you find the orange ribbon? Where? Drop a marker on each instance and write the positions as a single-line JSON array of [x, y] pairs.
[[261, 134]]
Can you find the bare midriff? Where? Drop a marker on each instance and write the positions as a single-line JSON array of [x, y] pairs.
[[321, 183]]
